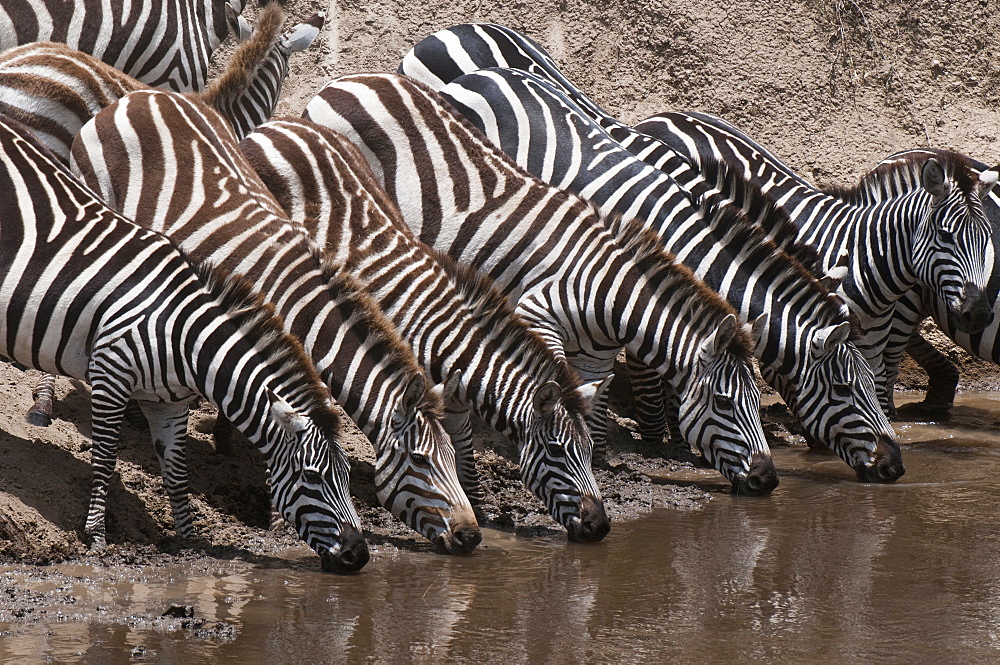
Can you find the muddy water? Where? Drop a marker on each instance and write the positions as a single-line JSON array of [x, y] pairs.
[[826, 569]]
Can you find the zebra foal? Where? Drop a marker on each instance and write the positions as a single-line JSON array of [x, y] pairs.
[[171, 163], [453, 318], [86, 293], [163, 43], [589, 286]]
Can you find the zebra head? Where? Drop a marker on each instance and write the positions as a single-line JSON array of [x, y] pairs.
[[416, 477], [720, 412], [556, 460], [835, 402], [310, 488], [952, 246]]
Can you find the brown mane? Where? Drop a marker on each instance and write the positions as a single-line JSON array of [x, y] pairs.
[[259, 322], [492, 309], [901, 174], [382, 334]]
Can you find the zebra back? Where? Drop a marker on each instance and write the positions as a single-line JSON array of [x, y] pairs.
[[173, 164], [588, 288], [54, 89], [804, 344], [163, 43], [454, 318], [86, 293]]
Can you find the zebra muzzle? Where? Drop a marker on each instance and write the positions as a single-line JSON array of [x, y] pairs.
[[761, 479], [350, 557], [972, 312], [592, 524]]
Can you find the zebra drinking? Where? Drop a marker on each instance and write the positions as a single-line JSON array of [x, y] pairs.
[[804, 342], [915, 222], [86, 293], [589, 286], [173, 164], [453, 318]]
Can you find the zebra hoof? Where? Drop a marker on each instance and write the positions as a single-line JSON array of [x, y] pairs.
[[38, 418]]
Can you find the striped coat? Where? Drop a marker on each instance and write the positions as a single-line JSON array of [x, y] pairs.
[[454, 319], [86, 293], [184, 176]]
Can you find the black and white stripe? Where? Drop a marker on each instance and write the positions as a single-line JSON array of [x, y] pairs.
[[804, 345], [587, 285], [172, 164], [461, 328], [163, 43], [54, 89], [913, 222], [88, 294]]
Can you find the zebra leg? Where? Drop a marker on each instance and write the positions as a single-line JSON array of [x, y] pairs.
[[222, 435], [647, 394], [168, 427], [679, 448], [943, 377], [44, 393], [457, 422], [107, 412], [598, 424]]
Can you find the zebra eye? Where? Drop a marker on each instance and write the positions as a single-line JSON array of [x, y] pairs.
[[312, 477], [554, 449], [841, 390], [723, 403], [945, 236], [420, 458]]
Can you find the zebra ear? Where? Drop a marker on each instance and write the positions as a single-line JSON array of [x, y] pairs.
[[831, 337], [451, 385], [546, 398], [833, 277], [302, 36], [288, 418], [237, 24], [757, 329], [720, 339], [987, 179], [413, 394], [592, 390], [932, 178]]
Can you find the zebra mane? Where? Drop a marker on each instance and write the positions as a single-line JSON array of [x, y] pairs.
[[902, 174], [492, 309], [761, 210], [247, 58], [382, 334], [643, 246], [259, 322]]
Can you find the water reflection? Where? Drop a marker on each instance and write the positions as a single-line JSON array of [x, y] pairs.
[[826, 569]]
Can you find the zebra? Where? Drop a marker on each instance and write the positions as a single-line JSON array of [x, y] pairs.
[[54, 89], [916, 305], [470, 47], [589, 286], [453, 318], [913, 222], [172, 164], [804, 347], [163, 43], [86, 293]]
